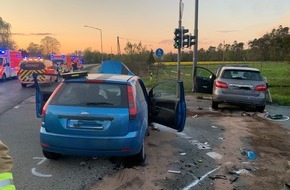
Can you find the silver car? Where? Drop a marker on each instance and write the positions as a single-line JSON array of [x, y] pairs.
[[235, 85]]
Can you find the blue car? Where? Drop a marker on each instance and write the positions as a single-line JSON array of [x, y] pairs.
[[104, 114]]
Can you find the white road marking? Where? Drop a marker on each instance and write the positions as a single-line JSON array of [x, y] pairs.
[[33, 170], [39, 158], [195, 182], [39, 174]]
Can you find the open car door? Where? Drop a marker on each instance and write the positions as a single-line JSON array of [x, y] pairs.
[[44, 90], [204, 80], [167, 104]]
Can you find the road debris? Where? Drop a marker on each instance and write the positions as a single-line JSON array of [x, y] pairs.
[[277, 117], [249, 153], [214, 155], [195, 116], [218, 177], [174, 171]]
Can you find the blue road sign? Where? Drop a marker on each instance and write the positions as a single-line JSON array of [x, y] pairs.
[[159, 52]]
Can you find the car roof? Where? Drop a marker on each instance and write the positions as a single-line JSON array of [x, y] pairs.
[[101, 77], [109, 77], [240, 68]]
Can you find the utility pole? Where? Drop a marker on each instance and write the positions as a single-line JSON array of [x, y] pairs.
[[118, 46], [195, 58]]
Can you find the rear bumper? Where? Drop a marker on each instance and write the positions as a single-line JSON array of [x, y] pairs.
[[238, 99], [90, 145]]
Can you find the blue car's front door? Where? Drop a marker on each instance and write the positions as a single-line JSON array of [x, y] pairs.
[[44, 90], [167, 104]]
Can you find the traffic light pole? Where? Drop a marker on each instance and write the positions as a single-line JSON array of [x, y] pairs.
[[195, 58], [179, 47]]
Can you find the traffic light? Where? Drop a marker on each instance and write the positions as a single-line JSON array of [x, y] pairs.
[[191, 40], [184, 37], [177, 38]]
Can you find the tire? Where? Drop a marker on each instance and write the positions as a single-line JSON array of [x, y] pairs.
[[51, 155], [3, 78], [23, 85], [139, 158], [260, 108], [214, 105]]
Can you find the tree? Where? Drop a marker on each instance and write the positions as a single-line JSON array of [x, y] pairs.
[[50, 45], [6, 41], [34, 50], [151, 59]]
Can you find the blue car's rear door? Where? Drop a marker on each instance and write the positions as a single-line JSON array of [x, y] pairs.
[[167, 104]]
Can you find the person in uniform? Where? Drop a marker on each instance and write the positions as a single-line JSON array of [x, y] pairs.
[[6, 164]]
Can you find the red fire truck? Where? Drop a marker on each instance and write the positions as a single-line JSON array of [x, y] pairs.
[[62, 63], [9, 64]]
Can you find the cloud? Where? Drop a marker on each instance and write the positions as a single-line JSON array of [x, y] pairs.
[[32, 34], [227, 31]]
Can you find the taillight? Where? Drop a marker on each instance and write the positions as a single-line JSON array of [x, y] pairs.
[[261, 88], [220, 84], [132, 103]]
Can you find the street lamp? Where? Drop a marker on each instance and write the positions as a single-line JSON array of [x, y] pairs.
[[101, 38]]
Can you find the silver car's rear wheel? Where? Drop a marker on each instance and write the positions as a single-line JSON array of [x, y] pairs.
[[260, 108]]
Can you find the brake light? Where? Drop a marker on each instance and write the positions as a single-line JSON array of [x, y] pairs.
[[220, 84], [261, 88], [132, 103]]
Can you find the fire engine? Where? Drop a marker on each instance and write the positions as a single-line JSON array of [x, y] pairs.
[[62, 63], [9, 64]]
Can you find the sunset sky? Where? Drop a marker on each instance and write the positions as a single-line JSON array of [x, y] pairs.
[[150, 21]]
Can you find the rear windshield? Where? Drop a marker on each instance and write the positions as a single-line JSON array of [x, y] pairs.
[[91, 95], [242, 75], [32, 65]]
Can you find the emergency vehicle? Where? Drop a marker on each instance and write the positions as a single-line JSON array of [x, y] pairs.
[[62, 63], [9, 63], [35, 65], [77, 62]]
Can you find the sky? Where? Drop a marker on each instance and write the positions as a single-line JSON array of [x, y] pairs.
[[151, 22]]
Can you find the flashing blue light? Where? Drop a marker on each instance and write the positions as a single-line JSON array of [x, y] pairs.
[[2, 51]]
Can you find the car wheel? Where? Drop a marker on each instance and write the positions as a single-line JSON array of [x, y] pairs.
[[3, 78], [51, 155], [23, 85], [140, 157], [214, 105], [260, 109]]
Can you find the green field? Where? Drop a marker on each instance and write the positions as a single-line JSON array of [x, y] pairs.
[[277, 75]]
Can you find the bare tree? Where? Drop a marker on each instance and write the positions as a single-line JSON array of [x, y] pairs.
[[34, 49], [50, 45]]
